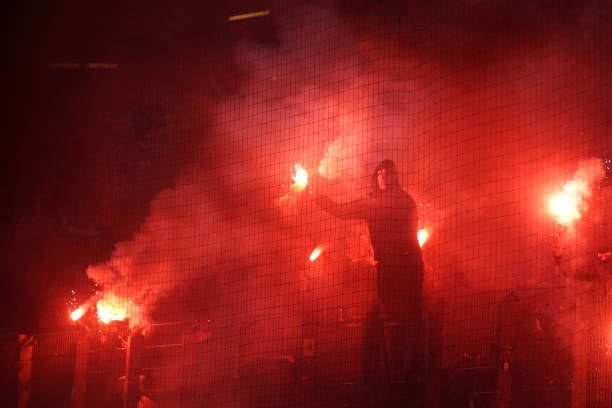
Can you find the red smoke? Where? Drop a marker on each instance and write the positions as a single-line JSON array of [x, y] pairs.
[[480, 145]]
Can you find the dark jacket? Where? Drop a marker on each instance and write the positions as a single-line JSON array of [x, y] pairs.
[[391, 216]]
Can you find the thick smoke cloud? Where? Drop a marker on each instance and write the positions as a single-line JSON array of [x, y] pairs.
[[483, 129]]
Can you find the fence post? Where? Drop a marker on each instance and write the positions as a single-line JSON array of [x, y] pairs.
[[25, 369], [79, 388], [133, 365]]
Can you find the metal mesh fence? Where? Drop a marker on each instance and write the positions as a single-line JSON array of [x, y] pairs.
[[219, 210]]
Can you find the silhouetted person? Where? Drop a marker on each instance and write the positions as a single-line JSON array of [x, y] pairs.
[[391, 215]]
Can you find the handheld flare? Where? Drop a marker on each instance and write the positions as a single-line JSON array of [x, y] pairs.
[[108, 313], [564, 207], [315, 254], [422, 236], [300, 178], [77, 314]]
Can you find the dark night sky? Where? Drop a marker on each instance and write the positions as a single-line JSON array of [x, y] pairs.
[[59, 183], [81, 155]]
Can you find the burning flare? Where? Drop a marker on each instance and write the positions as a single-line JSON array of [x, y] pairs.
[[300, 178], [108, 313], [564, 206], [315, 254], [422, 236], [569, 205], [77, 314]]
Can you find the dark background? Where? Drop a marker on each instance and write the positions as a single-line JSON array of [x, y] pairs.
[[65, 173]]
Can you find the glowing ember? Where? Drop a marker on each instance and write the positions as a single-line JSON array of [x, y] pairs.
[[315, 254], [300, 178], [422, 236], [77, 314], [107, 313]]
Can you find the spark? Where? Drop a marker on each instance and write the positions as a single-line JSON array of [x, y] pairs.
[[249, 15]]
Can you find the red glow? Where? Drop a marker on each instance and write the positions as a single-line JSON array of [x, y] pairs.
[[609, 340]]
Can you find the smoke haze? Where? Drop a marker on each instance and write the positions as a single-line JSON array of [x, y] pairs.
[[487, 108]]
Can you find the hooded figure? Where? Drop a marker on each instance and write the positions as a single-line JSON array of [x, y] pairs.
[[391, 215]]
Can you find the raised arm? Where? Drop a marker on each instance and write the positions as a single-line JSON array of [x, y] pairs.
[[357, 209]]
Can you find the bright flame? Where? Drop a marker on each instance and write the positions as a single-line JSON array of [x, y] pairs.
[[569, 205], [315, 254], [77, 314], [107, 313], [564, 206], [300, 177], [422, 236]]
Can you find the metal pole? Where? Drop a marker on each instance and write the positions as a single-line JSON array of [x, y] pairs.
[[25, 345], [79, 387], [133, 365]]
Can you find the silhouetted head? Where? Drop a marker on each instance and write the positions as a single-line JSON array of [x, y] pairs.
[[385, 177]]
